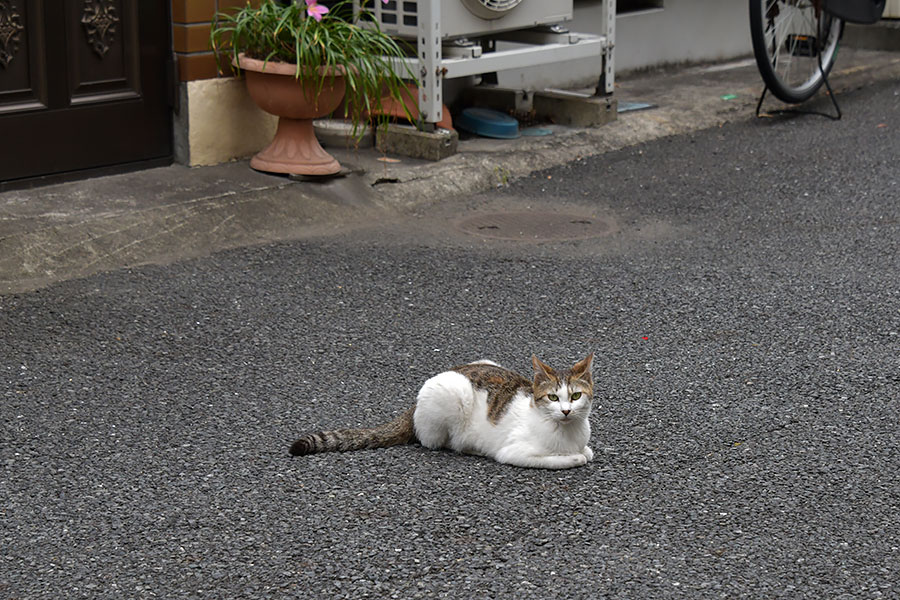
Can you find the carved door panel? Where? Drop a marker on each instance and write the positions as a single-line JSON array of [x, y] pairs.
[[83, 84]]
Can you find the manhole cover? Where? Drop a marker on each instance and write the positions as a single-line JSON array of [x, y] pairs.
[[535, 226]]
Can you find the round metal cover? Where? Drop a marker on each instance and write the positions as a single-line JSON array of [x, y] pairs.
[[535, 226], [490, 9]]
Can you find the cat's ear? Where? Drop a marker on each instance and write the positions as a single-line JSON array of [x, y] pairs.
[[542, 372], [582, 369]]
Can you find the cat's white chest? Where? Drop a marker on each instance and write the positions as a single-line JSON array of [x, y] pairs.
[[549, 436], [452, 413]]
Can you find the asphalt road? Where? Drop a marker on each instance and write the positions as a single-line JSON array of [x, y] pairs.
[[745, 312]]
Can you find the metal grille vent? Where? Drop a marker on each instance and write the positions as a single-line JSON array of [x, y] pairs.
[[491, 9]]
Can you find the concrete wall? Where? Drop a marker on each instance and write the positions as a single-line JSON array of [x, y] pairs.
[[217, 121], [682, 31], [892, 9]]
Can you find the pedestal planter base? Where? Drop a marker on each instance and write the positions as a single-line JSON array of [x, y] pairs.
[[295, 151]]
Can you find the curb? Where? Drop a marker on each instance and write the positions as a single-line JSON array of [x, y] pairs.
[[76, 229]]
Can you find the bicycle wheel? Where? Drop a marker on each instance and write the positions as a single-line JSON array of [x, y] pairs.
[[791, 41]]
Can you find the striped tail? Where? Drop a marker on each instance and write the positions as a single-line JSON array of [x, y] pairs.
[[397, 432]]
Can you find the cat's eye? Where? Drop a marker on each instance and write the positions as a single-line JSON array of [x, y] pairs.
[[576, 396], [553, 397]]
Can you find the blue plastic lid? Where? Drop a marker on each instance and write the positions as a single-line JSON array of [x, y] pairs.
[[488, 123]]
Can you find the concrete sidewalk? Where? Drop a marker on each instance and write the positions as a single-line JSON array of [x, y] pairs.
[[75, 229]]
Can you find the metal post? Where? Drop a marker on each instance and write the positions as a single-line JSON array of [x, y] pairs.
[[429, 48], [607, 77]]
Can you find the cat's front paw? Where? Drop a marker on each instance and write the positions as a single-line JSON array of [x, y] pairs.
[[588, 453], [572, 461]]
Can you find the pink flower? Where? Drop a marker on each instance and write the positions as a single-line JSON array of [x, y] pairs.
[[314, 10]]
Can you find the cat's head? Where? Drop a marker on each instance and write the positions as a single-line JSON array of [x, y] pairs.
[[565, 395]]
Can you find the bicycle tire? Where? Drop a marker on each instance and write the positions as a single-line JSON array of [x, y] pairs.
[[788, 49]]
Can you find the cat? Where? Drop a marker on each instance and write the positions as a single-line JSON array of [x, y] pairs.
[[483, 409]]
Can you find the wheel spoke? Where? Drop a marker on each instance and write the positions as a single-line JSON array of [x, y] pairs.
[[789, 43]]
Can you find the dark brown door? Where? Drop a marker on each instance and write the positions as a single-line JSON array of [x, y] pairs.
[[83, 84]]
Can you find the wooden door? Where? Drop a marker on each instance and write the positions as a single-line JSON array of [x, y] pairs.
[[83, 84]]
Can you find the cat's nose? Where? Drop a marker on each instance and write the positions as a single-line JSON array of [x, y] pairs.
[[566, 412]]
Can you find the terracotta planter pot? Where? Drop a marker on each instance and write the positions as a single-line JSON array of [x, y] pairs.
[[294, 149]]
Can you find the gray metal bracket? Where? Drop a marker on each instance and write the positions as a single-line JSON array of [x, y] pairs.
[[539, 46]]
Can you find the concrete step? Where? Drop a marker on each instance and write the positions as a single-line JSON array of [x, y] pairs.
[[883, 35]]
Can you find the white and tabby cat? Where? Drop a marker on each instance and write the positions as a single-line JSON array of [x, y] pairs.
[[482, 408]]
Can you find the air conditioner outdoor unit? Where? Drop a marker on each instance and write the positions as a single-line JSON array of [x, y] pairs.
[[471, 18], [521, 33]]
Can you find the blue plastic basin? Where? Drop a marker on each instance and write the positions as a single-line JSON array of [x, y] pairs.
[[488, 123]]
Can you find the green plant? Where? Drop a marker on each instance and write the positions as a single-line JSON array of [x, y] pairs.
[[312, 36], [502, 175]]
